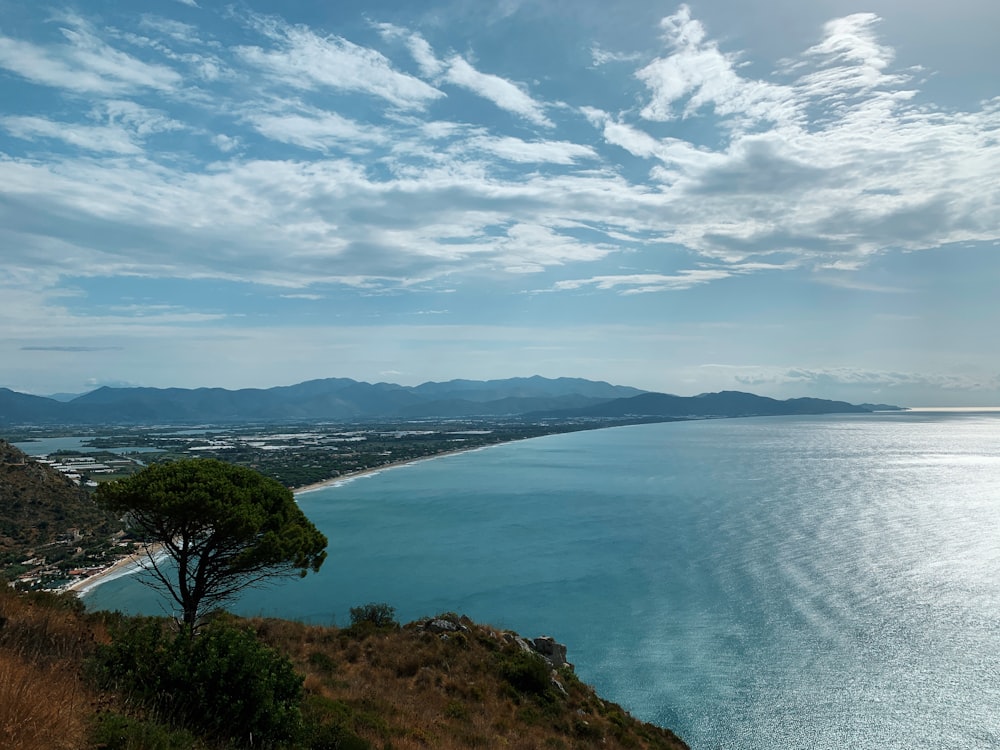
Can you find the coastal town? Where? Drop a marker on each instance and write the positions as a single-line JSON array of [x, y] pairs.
[[45, 572]]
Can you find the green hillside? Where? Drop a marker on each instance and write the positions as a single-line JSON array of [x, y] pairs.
[[45, 515]]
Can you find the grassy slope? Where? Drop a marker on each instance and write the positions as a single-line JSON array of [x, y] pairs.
[[393, 688]]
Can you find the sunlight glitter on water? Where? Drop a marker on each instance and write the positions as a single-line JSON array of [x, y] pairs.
[[764, 584]]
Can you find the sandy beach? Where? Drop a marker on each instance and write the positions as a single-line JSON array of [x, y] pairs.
[[127, 565], [392, 465]]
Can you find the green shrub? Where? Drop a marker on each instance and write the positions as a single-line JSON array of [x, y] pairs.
[[327, 725], [223, 681], [113, 731], [322, 662], [528, 673], [456, 710], [380, 615]]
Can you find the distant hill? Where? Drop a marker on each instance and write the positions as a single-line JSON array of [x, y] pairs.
[[335, 399], [21, 408], [722, 404], [343, 399]]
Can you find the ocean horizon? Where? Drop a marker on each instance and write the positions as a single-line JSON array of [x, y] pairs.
[[771, 583]]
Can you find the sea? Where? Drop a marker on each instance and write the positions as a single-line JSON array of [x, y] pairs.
[[761, 583]]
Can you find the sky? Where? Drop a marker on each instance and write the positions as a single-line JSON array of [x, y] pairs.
[[783, 197]]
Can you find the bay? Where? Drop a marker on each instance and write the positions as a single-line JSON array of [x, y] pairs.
[[772, 583]]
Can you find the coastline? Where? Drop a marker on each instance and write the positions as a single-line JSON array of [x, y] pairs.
[[134, 561], [333, 481], [131, 563]]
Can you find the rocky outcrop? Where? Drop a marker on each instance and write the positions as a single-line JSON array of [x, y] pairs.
[[553, 652], [545, 646]]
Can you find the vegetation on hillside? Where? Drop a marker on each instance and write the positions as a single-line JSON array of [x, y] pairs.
[[38, 504], [43, 515], [72, 680]]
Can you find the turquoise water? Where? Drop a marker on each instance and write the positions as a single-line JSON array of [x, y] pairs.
[[768, 583]]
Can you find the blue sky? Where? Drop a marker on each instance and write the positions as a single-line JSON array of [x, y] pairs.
[[783, 197]]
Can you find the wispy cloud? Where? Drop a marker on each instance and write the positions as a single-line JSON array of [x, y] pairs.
[[858, 285], [420, 49], [528, 152], [603, 57], [312, 129], [699, 74], [642, 283], [84, 63], [500, 91], [87, 137], [844, 376], [70, 348], [456, 70], [303, 59]]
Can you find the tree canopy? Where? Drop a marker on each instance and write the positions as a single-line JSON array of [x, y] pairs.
[[224, 527]]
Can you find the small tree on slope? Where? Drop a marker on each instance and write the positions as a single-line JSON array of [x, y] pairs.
[[223, 527]]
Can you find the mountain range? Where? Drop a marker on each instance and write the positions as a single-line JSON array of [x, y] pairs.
[[344, 399]]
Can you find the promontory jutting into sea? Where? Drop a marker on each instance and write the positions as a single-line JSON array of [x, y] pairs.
[[786, 582]]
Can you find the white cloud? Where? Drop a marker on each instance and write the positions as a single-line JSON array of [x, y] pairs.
[[529, 248], [698, 71], [457, 71], [433, 199], [430, 66], [138, 119], [321, 131], [420, 49], [304, 59], [851, 376], [88, 137], [127, 125], [528, 152], [506, 95], [84, 65], [226, 143], [859, 285], [836, 165], [603, 57], [176, 30], [633, 140], [642, 283], [851, 57]]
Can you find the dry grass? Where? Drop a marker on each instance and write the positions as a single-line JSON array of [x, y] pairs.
[[405, 688], [43, 642], [45, 628], [415, 689], [41, 708]]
